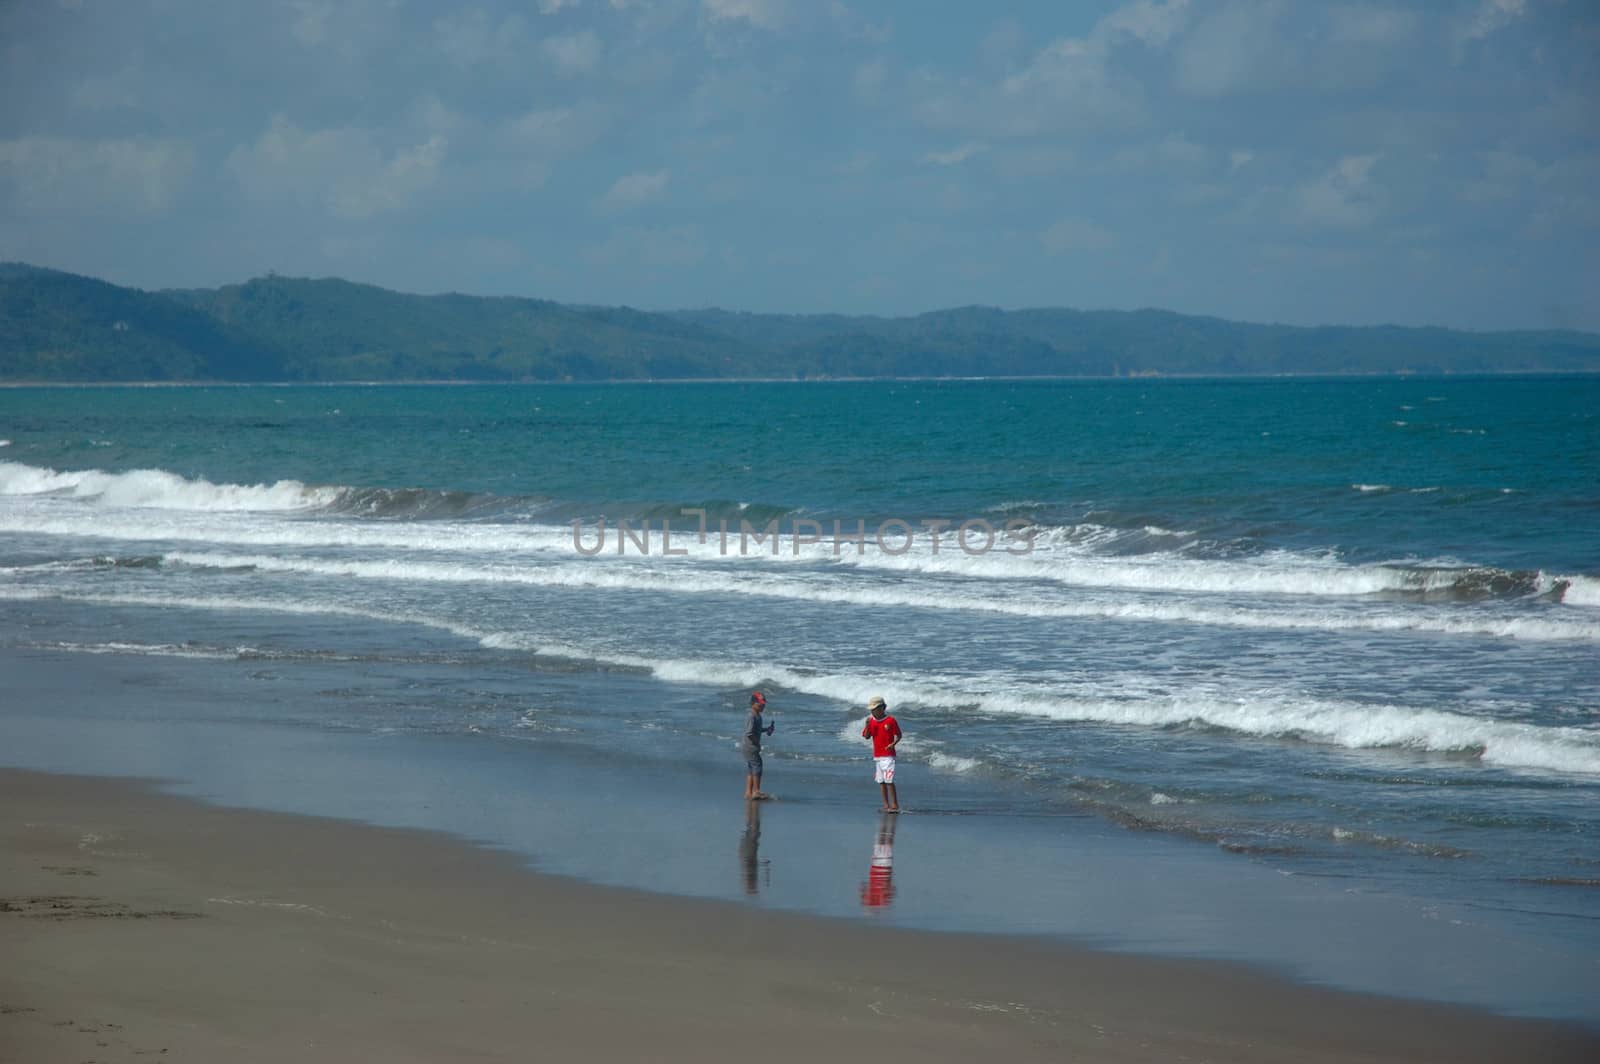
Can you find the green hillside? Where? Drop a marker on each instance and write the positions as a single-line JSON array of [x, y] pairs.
[[58, 326]]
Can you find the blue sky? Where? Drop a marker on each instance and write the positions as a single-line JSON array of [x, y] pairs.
[[1417, 163]]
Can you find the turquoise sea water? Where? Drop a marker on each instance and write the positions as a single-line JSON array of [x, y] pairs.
[[1344, 629]]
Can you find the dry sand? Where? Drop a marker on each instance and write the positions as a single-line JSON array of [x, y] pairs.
[[139, 926]]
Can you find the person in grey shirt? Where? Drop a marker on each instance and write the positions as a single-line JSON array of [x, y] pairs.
[[750, 746]]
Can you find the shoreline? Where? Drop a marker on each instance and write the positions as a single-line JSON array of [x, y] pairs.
[[140, 922], [220, 731]]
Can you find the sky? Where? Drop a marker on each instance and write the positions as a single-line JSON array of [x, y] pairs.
[[1416, 163]]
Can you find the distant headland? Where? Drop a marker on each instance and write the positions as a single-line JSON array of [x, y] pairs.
[[62, 327]]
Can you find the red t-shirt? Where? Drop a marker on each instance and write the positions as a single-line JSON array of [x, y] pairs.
[[881, 732]]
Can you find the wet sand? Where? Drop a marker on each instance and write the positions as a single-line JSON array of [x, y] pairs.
[[137, 926]]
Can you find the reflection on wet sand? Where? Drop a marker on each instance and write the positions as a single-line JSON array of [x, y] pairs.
[[750, 862], [878, 891]]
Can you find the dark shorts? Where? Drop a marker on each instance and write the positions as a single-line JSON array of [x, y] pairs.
[[752, 764]]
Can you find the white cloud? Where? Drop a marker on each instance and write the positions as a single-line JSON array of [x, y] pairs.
[[396, 185], [1076, 234], [635, 190], [1345, 196], [1073, 83], [1156, 24], [764, 14], [1274, 46], [50, 173], [1490, 17], [472, 37], [954, 155], [573, 53], [1229, 50], [344, 170], [432, 114], [555, 7], [551, 132], [1239, 158], [310, 25]]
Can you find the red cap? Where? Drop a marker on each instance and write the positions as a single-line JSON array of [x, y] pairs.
[[758, 698]]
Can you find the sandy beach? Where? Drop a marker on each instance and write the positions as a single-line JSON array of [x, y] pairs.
[[137, 925]]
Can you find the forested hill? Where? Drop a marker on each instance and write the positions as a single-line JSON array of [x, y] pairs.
[[62, 327]]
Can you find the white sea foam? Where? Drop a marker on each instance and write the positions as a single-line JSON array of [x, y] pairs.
[[1581, 590], [159, 650], [1371, 487], [1279, 572], [152, 505], [1265, 714], [159, 489], [1350, 725], [826, 588], [952, 763]]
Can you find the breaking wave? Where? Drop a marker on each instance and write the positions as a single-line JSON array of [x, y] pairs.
[[152, 504], [825, 587], [1258, 715], [159, 489]]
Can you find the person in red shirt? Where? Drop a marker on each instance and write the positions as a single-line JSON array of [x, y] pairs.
[[884, 731]]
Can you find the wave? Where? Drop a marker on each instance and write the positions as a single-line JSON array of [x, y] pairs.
[[1275, 572], [422, 503], [823, 588], [1581, 591], [163, 490], [1267, 714], [1141, 557], [1071, 564], [158, 489], [158, 650]]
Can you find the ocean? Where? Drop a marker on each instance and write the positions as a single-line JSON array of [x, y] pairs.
[[1331, 639]]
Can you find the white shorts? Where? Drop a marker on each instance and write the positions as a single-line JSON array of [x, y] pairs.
[[883, 769]]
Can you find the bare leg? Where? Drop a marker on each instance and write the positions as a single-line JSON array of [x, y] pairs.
[[752, 786], [891, 798], [884, 788]]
